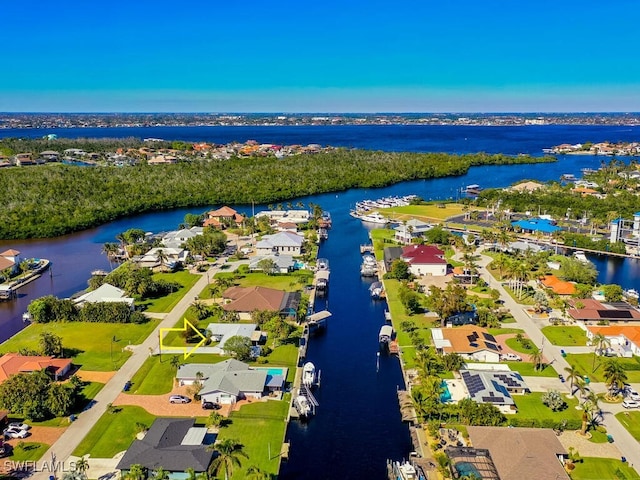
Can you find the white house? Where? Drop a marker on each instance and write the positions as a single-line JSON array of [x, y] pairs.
[[173, 256], [425, 260], [221, 332], [105, 293], [406, 232], [287, 243], [177, 238]]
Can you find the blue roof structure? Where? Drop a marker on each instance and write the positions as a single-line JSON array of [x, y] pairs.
[[536, 225]]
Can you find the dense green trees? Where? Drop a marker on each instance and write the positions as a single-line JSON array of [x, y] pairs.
[[50, 200], [52, 309]]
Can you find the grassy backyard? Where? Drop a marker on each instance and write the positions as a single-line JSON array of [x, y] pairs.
[[259, 426], [113, 432], [165, 304], [90, 344], [630, 421], [527, 369], [565, 336], [584, 362], [595, 468], [530, 406], [429, 212], [382, 237]]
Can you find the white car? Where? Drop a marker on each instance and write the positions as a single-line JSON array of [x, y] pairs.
[[633, 395], [19, 426], [179, 399], [15, 433], [630, 404], [511, 357]]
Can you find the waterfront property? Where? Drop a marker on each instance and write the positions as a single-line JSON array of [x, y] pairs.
[[557, 286], [518, 452], [425, 260], [9, 261], [534, 225], [221, 332], [173, 444], [177, 238], [223, 217], [229, 381], [624, 339], [105, 293], [286, 243], [281, 263], [494, 387], [589, 310], [245, 300], [470, 342], [411, 230]]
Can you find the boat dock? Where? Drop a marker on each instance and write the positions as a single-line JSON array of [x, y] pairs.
[[8, 290], [366, 248]]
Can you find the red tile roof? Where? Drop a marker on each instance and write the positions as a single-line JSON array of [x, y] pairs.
[[12, 363], [558, 286], [253, 298], [423, 255], [10, 253]]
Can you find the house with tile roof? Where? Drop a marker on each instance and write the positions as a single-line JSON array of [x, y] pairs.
[[520, 453], [469, 341], [557, 286], [13, 363], [281, 243], [174, 444], [425, 260], [588, 310], [245, 300], [10, 259], [223, 217], [624, 339]]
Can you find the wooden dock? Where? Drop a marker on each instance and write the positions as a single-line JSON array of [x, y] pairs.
[[366, 248]]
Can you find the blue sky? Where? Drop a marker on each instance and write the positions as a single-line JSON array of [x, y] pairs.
[[329, 56]]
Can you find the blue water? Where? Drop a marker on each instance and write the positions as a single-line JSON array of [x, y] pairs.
[[445, 396], [358, 423]]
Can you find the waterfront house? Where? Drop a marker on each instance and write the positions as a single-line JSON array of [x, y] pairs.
[[105, 293], [245, 300], [10, 260], [557, 286], [411, 230], [588, 310], [13, 363], [229, 381], [221, 332], [535, 225], [290, 216], [177, 238], [494, 387], [283, 263], [287, 243], [425, 260], [520, 453], [390, 255], [223, 217], [50, 155], [24, 159], [469, 341], [151, 259], [174, 444]]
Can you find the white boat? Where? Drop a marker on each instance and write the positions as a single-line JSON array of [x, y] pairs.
[[369, 266], [309, 374], [369, 261], [385, 335], [376, 289], [374, 217], [579, 255], [302, 405], [473, 189], [404, 471], [631, 293], [322, 264]]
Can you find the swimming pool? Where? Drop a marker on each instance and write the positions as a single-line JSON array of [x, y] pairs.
[[275, 371], [466, 468], [445, 396]]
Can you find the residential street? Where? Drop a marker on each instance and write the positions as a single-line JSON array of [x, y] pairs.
[[70, 439], [623, 439]]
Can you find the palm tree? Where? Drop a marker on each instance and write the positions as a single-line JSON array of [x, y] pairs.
[[81, 466], [600, 342], [110, 249], [255, 473], [536, 358], [161, 474], [229, 453], [615, 376], [175, 362], [162, 257], [136, 472], [191, 474], [121, 237], [573, 375]]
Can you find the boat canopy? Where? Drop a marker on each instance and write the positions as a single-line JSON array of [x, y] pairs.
[[322, 275], [316, 317]]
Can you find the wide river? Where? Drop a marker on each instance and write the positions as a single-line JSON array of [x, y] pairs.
[[358, 423]]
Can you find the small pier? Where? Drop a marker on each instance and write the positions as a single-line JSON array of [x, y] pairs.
[[366, 248]]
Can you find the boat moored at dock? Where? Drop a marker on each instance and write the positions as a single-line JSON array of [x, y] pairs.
[[385, 336], [369, 267], [376, 290], [309, 374]]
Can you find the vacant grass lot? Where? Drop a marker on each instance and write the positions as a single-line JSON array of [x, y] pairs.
[[28, 451], [114, 432], [382, 237], [289, 282], [531, 406], [630, 421], [258, 426], [165, 304], [584, 362], [565, 336], [90, 344], [429, 212], [595, 468]]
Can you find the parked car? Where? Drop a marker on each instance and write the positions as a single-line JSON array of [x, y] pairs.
[[631, 404], [15, 433], [179, 399], [127, 387], [19, 426], [561, 377], [633, 395], [511, 357], [211, 406]]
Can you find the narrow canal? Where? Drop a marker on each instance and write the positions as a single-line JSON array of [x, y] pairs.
[[358, 423]]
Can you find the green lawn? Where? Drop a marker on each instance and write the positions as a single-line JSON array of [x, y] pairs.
[[258, 426], [595, 468], [28, 451], [382, 237], [114, 432], [531, 406], [430, 211], [165, 304], [630, 421], [584, 362], [504, 331], [88, 343], [565, 336], [527, 369], [518, 347], [289, 282]]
